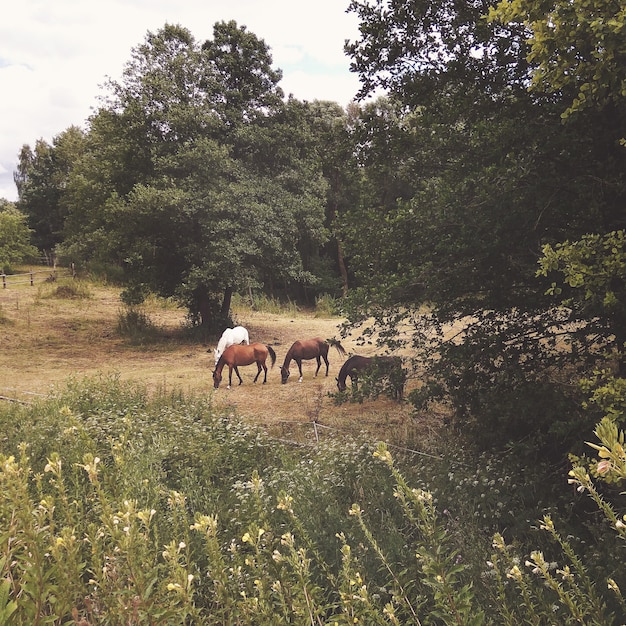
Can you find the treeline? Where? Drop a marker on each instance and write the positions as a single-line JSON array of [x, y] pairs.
[[484, 192]]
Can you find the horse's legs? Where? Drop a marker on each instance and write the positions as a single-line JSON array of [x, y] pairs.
[[319, 364], [325, 361], [238, 376], [264, 373], [354, 379], [299, 362], [258, 364]]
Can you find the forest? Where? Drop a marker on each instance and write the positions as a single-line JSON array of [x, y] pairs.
[[485, 191]]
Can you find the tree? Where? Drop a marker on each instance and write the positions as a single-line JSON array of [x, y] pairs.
[[492, 175], [15, 246], [195, 180], [577, 48], [41, 179]]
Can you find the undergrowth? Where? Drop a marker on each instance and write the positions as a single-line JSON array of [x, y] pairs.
[[119, 507]]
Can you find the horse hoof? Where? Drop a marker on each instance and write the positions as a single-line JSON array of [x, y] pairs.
[[227, 386], [299, 380]]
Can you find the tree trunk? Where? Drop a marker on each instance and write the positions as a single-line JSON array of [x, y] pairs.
[[228, 296], [204, 309], [342, 269]]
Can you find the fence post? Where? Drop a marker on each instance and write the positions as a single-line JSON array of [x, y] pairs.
[[32, 278], [4, 281]]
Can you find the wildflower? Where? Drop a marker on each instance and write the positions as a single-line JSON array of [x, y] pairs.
[[612, 585], [355, 510], [548, 524], [514, 573], [566, 574], [604, 467], [246, 538], [284, 503], [383, 454], [146, 516], [498, 542]]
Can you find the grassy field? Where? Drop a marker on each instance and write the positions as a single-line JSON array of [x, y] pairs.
[[57, 330]]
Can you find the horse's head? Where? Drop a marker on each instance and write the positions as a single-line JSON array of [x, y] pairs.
[[341, 385], [217, 379], [284, 375]]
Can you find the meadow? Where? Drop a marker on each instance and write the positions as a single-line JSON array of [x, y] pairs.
[[132, 492], [53, 332]]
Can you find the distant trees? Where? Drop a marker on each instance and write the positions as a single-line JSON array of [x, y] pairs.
[[15, 246]]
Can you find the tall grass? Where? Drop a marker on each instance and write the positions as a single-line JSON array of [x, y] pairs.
[[118, 507]]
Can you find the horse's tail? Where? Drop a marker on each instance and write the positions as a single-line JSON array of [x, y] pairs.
[[337, 344], [272, 354]]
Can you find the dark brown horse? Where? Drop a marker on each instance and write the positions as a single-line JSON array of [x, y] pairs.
[[315, 348], [236, 355], [381, 365]]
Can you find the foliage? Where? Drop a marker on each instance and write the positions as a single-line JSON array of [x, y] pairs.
[[576, 48], [136, 325], [15, 236], [115, 504], [199, 196], [41, 180], [467, 175], [592, 275]]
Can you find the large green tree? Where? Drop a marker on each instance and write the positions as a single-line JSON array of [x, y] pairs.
[[491, 175], [197, 180]]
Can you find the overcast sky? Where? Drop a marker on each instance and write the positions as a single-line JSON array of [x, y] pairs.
[[56, 54]]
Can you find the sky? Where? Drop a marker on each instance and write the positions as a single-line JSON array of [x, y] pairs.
[[55, 56]]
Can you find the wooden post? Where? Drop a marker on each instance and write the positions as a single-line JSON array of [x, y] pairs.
[[32, 282], [4, 281]]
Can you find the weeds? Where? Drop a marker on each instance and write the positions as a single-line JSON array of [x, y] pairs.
[[116, 507]]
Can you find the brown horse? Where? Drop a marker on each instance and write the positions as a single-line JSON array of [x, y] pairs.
[[315, 348], [243, 354], [390, 366]]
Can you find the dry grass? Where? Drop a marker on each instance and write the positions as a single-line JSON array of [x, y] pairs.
[[49, 337]]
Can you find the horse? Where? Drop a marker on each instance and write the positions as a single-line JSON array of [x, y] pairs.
[[381, 365], [315, 348], [229, 337], [236, 355]]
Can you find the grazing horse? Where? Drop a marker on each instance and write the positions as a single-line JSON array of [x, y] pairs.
[[236, 355], [381, 365], [229, 337], [315, 348]]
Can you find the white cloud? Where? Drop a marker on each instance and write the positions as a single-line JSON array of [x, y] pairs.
[[54, 56]]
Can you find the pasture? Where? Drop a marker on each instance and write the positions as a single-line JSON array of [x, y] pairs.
[[50, 336]]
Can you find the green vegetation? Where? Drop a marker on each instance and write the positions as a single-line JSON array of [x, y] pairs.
[[473, 217], [15, 246], [115, 504]]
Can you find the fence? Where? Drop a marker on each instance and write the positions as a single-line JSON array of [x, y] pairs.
[[32, 276]]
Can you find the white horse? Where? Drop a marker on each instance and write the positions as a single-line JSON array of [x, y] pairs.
[[229, 337]]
